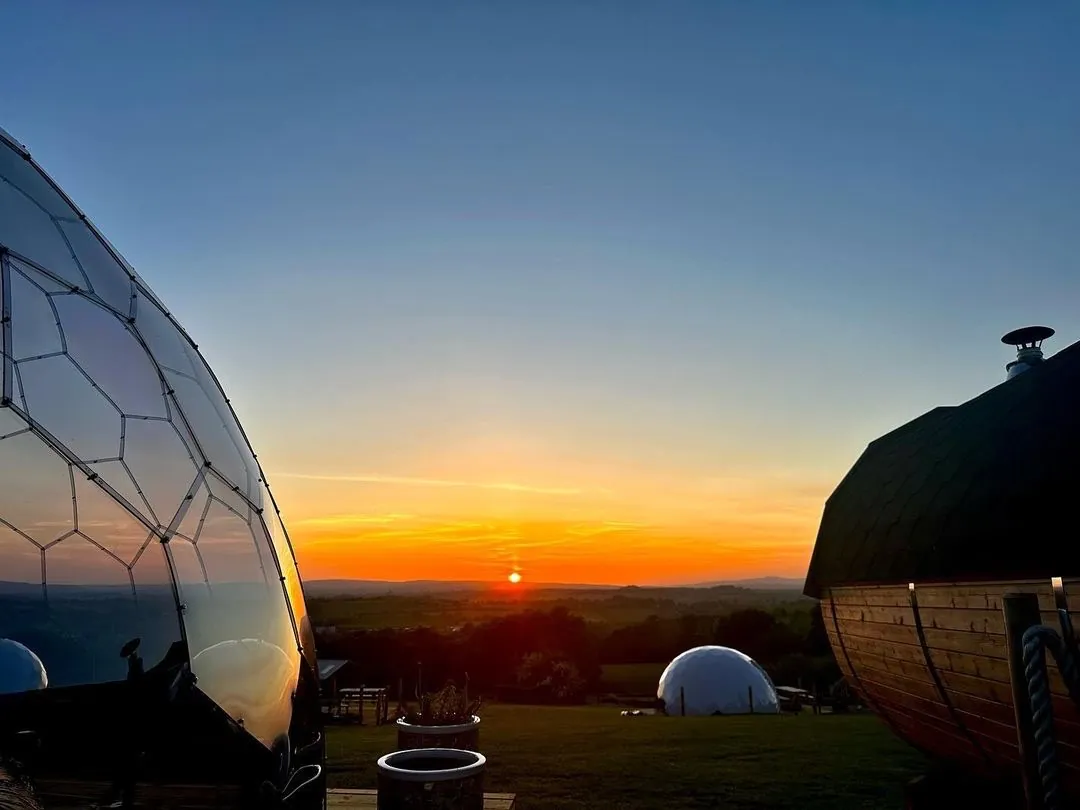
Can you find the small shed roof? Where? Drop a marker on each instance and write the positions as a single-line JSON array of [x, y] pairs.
[[329, 666]]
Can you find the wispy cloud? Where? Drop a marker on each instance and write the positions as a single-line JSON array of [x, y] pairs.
[[607, 527], [351, 520], [434, 482]]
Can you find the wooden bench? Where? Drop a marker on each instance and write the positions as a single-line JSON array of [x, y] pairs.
[[365, 799]]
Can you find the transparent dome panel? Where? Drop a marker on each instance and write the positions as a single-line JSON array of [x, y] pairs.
[[67, 406], [290, 574], [111, 282], [35, 331], [159, 460], [104, 349], [243, 650], [198, 397], [79, 575], [127, 481], [30, 232]]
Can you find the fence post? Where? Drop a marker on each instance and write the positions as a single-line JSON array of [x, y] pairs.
[[682, 700], [750, 692], [1021, 611]]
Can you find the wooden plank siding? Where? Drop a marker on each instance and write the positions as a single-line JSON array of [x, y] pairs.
[[948, 691]]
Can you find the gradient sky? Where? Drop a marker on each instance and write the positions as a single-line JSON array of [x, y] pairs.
[[609, 292]]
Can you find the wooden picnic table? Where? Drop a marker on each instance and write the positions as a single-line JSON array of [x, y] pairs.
[[350, 698]]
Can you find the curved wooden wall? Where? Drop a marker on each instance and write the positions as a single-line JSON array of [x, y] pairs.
[[932, 662]]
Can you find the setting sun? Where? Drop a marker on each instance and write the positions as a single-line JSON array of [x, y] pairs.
[[514, 577]]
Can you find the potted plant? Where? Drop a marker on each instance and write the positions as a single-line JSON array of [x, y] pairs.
[[431, 779], [444, 719]]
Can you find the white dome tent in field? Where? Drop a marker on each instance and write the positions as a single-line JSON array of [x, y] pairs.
[[716, 680]]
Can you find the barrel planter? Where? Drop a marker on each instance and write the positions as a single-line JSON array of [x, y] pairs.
[[431, 779], [465, 736]]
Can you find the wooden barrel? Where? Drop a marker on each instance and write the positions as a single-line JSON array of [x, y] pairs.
[[431, 779], [932, 661]]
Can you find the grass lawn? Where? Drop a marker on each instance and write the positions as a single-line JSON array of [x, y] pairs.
[[590, 757]]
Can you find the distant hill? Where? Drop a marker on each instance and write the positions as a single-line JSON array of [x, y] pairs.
[[368, 587], [758, 584], [374, 587]]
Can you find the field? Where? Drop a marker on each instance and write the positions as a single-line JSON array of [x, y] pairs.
[[617, 608], [581, 758]]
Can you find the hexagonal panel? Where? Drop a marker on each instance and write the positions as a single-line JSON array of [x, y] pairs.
[[100, 518], [111, 355], [200, 401], [37, 488], [28, 230], [35, 326], [110, 281], [76, 561], [66, 404], [228, 549], [160, 464]]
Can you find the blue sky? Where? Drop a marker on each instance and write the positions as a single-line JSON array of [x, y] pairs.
[[734, 240]]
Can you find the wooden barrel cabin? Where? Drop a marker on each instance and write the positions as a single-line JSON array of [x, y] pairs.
[[937, 522]]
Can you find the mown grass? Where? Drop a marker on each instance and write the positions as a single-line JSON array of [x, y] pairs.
[[590, 757]]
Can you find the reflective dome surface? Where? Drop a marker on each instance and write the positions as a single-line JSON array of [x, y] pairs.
[[716, 680], [131, 504], [20, 669]]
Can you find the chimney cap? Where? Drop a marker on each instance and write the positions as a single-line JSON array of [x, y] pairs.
[[1026, 335]]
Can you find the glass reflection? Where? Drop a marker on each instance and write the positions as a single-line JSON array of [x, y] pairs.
[[243, 651], [127, 481], [291, 574]]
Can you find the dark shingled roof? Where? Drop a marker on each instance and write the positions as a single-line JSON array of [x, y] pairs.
[[984, 490]]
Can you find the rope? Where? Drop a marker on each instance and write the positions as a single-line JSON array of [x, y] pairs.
[[15, 793], [1037, 640]]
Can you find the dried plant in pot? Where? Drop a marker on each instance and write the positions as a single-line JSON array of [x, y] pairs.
[[443, 719]]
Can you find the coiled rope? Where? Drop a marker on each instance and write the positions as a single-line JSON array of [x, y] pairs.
[[15, 792], [1036, 641]]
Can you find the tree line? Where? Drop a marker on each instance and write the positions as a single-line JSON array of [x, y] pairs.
[[555, 655]]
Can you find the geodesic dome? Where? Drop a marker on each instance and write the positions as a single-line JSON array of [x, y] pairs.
[[131, 504], [716, 680]]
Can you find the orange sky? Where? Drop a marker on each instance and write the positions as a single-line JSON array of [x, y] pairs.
[[636, 529]]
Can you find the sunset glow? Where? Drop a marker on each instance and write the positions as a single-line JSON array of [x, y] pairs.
[[603, 527]]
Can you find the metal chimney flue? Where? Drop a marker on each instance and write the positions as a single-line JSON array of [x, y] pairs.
[[1028, 342]]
